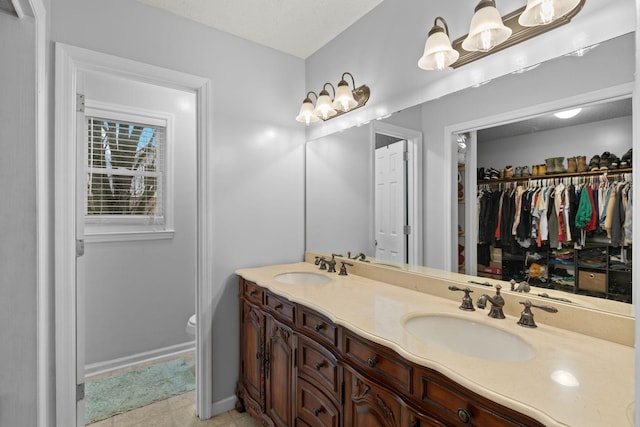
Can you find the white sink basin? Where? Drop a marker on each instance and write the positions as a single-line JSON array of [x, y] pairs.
[[469, 338], [302, 278]]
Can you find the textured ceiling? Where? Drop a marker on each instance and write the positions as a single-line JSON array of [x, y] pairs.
[[589, 114], [297, 27]]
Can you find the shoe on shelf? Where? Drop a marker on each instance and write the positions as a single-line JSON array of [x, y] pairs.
[[494, 174], [582, 164], [535, 171], [525, 171], [594, 163], [550, 165], [614, 162], [605, 160], [542, 169], [480, 174], [625, 161], [518, 172], [508, 171], [559, 165], [572, 165]]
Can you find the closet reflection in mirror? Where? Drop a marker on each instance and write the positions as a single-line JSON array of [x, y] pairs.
[[554, 201]]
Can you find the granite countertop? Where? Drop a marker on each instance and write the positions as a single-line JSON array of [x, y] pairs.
[[600, 373]]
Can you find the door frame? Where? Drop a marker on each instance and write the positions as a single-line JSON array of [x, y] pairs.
[[450, 201], [413, 185], [69, 61]]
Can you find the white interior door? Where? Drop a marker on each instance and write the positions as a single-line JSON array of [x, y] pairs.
[[390, 203]]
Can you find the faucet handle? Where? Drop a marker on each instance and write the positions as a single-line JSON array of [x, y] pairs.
[[343, 268], [526, 317], [323, 263], [467, 302]]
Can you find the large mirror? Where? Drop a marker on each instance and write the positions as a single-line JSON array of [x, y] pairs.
[[345, 204]]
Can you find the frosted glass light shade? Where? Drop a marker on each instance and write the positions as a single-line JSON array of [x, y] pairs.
[[344, 97], [306, 114], [438, 53], [486, 30], [324, 107], [542, 12]]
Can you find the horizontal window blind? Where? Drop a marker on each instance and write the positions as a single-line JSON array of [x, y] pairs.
[[125, 170]]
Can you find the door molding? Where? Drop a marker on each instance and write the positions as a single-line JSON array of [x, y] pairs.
[[414, 184], [450, 202], [69, 61]]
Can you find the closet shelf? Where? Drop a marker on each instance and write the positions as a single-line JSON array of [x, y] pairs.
[[608, 172]]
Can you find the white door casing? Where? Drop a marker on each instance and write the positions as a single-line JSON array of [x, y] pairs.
[[70, 61], [390, 202]]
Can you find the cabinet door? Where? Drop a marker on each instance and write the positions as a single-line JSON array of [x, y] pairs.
[[252, 347], [368, 405], [279, 373]]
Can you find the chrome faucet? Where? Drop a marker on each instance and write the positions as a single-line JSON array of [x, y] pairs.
[[343, 268], [322, 262], [526, 317], [332, 264], [497, 302], [467, 302], [359, 257]]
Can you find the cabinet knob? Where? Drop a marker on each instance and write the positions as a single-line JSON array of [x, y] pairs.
[[319, 365], [464, 416], [317, 411], [277, 306], [319, 327], [258, 355], [371, 361], [252, 292]]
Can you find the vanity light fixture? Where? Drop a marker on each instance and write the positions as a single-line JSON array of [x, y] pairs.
[[344, 99], [543, 12], [487, 29], [438, 53], [490, 33]]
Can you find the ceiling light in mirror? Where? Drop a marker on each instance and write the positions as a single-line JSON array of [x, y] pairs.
[[567, 114]]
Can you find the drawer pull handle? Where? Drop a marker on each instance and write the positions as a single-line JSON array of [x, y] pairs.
[[258, 355], [317, 411], [464, 416], [319, 327], [591, 276], [277, 306], [252, 292], [371, 361], [319, 365]]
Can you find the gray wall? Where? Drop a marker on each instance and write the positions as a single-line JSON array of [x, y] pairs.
[[257, 177], [613, 135], [17, 222], [139, 294]]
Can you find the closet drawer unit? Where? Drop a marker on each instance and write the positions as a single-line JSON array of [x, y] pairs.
[[283, 309], [317, 326], [314, 407], [377, 361], [592, 281], [316, 363], [253, 292]]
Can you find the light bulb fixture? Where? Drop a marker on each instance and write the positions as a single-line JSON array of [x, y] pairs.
[[567, 114], [490, 33], [487, 29], [306, 114], [543, 12], [438, 53], [344, 100]]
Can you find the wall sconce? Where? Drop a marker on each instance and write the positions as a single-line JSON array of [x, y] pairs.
[[489, 32], [344, 100]]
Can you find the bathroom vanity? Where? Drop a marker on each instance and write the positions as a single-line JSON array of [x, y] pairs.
[[320, 349]]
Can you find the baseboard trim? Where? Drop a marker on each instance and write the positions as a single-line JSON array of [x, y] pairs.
[[147, 356], [223, 405]]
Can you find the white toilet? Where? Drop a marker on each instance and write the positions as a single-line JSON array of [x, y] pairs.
[[191, 326]]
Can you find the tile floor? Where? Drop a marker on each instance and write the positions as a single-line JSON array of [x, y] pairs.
[[177, 411]]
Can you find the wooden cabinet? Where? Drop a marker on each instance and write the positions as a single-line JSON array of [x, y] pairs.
[[298, 368]]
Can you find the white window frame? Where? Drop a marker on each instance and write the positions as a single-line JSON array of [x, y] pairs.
[[129, 228]]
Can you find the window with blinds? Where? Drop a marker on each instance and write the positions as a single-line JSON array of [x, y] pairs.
[[125, 171]]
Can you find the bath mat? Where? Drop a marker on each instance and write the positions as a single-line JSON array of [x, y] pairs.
[[114, 395]]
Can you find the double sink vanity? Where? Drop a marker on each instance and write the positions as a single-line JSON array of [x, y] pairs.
[[387, 347]]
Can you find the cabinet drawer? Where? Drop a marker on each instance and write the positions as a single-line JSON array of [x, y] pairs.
[[314, 407], [282, 308], [378, 361], [317, 326], [318, 364], [456, 406], [253, 292], [592, 281]]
